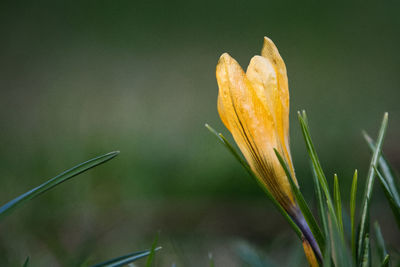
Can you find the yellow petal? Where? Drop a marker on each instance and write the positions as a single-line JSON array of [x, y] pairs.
[[263, 76], [252, 127], [221, 112], [271, 53]]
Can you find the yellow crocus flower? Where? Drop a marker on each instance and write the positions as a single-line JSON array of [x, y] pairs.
[[254, 106]]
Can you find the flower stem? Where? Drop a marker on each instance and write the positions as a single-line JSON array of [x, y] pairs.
[[305, 229]]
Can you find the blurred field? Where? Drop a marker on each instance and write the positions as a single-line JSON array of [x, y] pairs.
[[81, 79]]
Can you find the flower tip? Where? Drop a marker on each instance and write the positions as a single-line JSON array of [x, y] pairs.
[[224, 58], [268, 43], [256, 60], [266, 39]]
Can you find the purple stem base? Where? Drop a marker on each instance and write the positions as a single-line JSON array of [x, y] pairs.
[[305, 229]]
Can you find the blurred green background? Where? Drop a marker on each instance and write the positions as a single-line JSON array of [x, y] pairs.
[[79, 79]]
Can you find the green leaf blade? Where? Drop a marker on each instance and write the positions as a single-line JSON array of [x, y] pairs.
[[338, 203], [389, 196], [353, 195], [308, 216], [316, 163], [382, 251], [125, 259], [152, 251], [387, 171], [26, 263], [51, 183], [363, 225]]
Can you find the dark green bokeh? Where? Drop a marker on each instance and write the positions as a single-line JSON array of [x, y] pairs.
[[81, 79]]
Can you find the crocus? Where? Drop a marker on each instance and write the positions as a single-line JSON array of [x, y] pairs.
[[254, 106]]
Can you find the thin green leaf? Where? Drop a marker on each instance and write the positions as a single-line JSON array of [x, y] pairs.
[[353, 195], [308, 216], [244, 164], [339, 251], [338, 244], [320, 200], [152, 251], [387, 181], [393, 204], [62, 177], [382, 252], [316, 164], [26, 263], [385, 262], [126, 259], [211, 260], [327, 261], [338, 202], [321, 205], [387, 171], [322, 213], [366, 257], [363, 229]]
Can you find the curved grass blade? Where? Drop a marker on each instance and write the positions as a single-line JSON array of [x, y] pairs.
[[316, 164], [26, 263], [227, 145], [385, 262], [339, 252], [366, 257], [321, 204], [395, 206], [308, 216], [353, 195], [62, 177], [126, 259], [387, 171], [382, 252], [211, 260], [338, 202], [152, 251], [327, 262], [363, 229]]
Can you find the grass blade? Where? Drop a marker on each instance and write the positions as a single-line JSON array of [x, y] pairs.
[[126, 259], [321, 205], [62, 177], [393, 204], [387, 181], [385, 262], [26, 263], [316, 163], [382, 252], [386, 169], [339, 252], [244, 164], [338, 202], [210, 260], [322, 213], [308, 216], [363, 229], [152, 251], [366, 257], [353, 195]]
